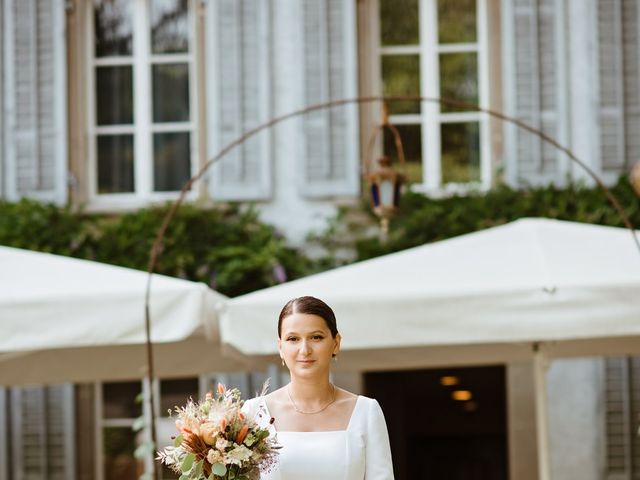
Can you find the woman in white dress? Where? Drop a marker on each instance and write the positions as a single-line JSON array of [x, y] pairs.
[[326, 433]]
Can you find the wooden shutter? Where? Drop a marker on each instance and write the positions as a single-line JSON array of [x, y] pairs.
[[611, 78], [622, 397], [533, 88], [330, 137], [238, 44], [4, 437], [631, 70], [2, 120], [42, 433], [35, 97]]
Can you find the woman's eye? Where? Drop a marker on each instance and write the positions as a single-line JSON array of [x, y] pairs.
[[317, 337], [292, 339]]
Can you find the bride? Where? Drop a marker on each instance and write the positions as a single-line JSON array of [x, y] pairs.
[[326, 432]]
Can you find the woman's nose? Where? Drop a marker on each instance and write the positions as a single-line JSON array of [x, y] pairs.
[[306, 348]]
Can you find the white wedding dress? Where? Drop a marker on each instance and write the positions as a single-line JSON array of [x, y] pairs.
[[361, 452]]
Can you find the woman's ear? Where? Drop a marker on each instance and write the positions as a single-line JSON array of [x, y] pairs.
[[336, 349]]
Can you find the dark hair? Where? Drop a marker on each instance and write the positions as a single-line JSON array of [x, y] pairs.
[[311, 306]]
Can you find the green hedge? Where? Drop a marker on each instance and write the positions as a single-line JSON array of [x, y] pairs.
[[423, 220], [228, 248]]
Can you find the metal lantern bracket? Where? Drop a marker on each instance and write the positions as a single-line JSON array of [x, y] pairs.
[[384, 182]]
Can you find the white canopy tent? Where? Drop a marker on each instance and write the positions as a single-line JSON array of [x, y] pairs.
[[530, 289], [485, 297], [68, 320]]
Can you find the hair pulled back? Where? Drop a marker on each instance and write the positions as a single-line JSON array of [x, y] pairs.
[[310, 306]]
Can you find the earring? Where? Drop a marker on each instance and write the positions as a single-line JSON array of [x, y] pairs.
[[335, 357], [282, 361]]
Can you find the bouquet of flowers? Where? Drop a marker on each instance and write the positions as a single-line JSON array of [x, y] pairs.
[[217, 441]]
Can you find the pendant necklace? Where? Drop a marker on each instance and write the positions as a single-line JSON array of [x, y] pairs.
[[295, 407]]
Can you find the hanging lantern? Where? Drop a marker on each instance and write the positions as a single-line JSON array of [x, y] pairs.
[[634, 178], [385, 183]]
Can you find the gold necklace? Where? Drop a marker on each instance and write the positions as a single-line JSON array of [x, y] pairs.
[[295, 407]]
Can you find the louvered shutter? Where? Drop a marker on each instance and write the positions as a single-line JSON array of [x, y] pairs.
[[42, 432], [611, 78], [622, 398], [239, 99], [35, 93], [4, 437], [330, 137], [631, 64], [2, 120], [532, 54]]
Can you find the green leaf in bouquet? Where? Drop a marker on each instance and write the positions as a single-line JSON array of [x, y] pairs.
[[184, 477], [140, 398], [178, 441], [219, 469], [187, 463], [138, 424], [250, 440], [211, 477], [197, 471]]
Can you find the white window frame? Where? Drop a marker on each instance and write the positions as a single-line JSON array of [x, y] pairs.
[[430, 117], [143, 127], [161, 420]]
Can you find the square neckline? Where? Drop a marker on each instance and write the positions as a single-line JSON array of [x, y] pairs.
[[278, 432]]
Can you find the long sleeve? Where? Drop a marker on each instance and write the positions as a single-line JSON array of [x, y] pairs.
[[377, 451]]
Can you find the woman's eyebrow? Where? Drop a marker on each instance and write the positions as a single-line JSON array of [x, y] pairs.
[[310, 333]]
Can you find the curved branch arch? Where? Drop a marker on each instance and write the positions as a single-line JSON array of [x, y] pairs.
[[157, 244]]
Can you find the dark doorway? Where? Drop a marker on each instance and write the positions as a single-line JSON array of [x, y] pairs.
[[445, 424]]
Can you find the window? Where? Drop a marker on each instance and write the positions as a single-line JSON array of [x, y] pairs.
[[141, 99], [437, 48], [117, 411], [118, 408]]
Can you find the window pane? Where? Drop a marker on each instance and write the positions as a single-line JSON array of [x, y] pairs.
[[169, 26], [176, 393], [457, 21], [171, 161], [113, 27], [115, 165], [119, 399], [401, 76], [119, 443], [459, 79], [460, 152], [114, 95], [412, 146], [171, 92], [399, 22]]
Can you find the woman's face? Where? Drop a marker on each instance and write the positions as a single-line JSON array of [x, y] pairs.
[[306, 344]]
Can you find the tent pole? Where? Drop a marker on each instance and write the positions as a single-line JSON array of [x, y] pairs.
[[542, 424]]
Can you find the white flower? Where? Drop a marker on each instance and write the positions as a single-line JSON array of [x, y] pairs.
[[221, 444], [238, 455], [214, 456]]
